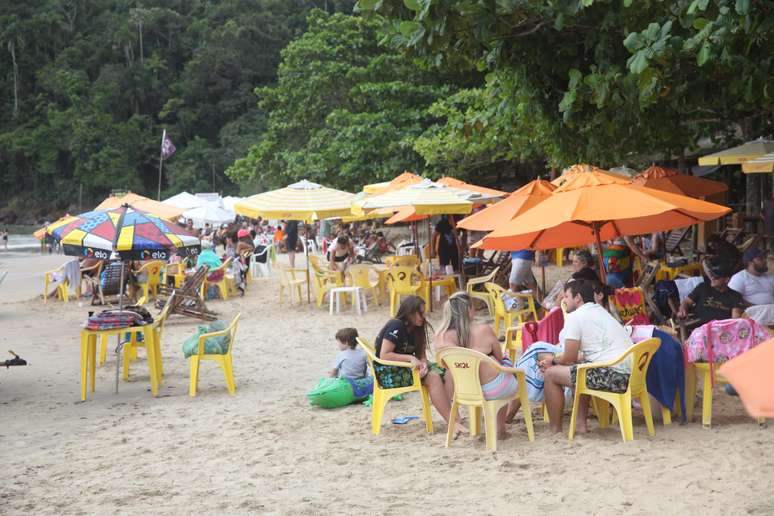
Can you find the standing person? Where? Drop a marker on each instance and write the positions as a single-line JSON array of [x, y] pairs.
[[291, 241], [445, 245], [590, 334], [521, 271], [404, 339], [5, 238]]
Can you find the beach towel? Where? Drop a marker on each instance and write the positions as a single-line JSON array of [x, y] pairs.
[[545, 330], [719, 341], [666, 373], [629, 303], [212, 345], [532, 374]]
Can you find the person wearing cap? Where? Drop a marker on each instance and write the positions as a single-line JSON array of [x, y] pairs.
[[713, 300], [756, 286]]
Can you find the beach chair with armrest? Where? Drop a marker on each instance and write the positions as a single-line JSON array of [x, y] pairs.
[[382, 395], [360, 276], [152, 271], [187, 299], [408, 260], [482, 295], [261, 262], [62, 288], [222, 284], [224, 361], [464, 365], [403, 281], [507, 317], [292, 280], [674, 239], [323, 279], [640, 354], [90, 276]]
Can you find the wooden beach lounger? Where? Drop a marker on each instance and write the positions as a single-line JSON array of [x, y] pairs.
[[187, 300]]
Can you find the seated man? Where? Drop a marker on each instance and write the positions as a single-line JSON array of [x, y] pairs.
[[713, 300], [591, 330], [756, 286]]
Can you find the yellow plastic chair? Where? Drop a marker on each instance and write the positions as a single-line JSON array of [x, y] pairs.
[[408, 260], [507, 317], [641, 354], [403, 281], [360, 276], [703, 370], [62, 290], [130, 348], [482, 295], [291, 280], [324, 279], [224, 361], [90, 275], [150, 287], [464, 365], [222, 283], [381, 395]]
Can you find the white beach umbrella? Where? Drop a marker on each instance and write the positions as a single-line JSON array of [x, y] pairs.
[[209, 214], [186, 201]]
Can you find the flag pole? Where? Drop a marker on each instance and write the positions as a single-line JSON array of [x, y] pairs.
[[161, 162]]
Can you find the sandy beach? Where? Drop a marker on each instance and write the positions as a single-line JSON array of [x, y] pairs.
[[265, 450]]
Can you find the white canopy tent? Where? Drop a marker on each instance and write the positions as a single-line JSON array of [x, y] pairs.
[[185, 201], [209, 213]]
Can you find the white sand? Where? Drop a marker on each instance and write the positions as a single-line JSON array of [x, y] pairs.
[[265, 450]]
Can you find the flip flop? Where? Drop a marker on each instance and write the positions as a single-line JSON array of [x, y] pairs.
[[402, 420]]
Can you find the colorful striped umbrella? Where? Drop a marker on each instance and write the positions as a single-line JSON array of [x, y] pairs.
[[133, 234]]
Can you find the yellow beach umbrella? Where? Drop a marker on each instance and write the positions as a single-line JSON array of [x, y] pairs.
[[739, 154], [760, 165], [427, 198], [305, 201]]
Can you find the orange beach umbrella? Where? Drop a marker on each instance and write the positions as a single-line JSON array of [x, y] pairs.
[[596, 206], [462, 185], [142, 203], [583, 168], [672, 180], [752, 375], [515, 204]]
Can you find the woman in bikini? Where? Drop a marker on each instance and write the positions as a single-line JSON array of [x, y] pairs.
[[458, 328], [341, 255]]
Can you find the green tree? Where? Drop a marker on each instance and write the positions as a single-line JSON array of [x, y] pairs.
[[606, 81], [344, 111]]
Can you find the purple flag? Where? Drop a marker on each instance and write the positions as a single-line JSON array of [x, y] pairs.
[[167, 147]]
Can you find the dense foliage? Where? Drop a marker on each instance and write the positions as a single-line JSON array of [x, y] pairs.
[[259, 93], [606, 81], [344, 112], [88, 85]]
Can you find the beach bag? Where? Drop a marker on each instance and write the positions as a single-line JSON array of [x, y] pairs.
[[338, 392], [719, 341], [212, 345]]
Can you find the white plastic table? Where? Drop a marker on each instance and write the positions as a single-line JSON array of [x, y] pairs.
[[359, 302]]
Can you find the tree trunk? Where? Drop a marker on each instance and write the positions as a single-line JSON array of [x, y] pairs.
[[12, 50], [139, 31]]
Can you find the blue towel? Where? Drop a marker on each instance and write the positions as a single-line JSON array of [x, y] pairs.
[[361, 387], [532, 374], [666, 373]]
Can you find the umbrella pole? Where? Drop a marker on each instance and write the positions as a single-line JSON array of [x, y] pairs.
[[120, 308], [306, 255], [602, 275]]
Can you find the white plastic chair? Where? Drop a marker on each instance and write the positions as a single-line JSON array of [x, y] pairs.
[[258, 268]]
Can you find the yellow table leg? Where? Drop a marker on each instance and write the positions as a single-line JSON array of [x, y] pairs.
[[150, 347], [84, 363], [92, 351]]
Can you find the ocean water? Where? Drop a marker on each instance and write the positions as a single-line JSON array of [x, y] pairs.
[[21, 243]]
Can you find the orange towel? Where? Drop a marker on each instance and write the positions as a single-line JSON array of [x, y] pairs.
[[752, 375]]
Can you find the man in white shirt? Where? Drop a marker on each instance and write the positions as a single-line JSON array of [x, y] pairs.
[[756, 286], [589, 330]]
